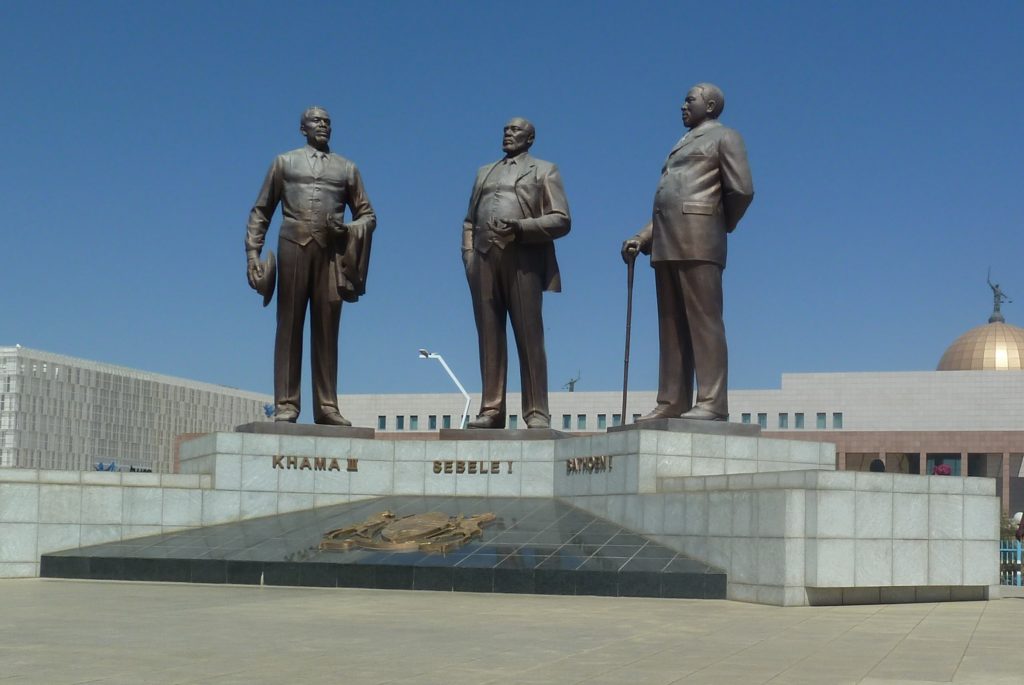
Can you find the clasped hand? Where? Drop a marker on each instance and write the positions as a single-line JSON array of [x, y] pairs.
[[505, 229], [338, 228]]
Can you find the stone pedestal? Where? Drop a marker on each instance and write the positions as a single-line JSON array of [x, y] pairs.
[[691, 426], [773, 514], [306, 429], [501, 434]]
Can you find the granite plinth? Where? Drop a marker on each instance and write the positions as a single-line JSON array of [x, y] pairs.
[[501, 434], [306, 430], [691, 426], [534, 546]]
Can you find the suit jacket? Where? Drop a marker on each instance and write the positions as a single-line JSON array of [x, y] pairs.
[[542, 200], [704, 190], [308, 201], [310, 204]]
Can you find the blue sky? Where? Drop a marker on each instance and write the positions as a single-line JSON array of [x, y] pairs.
[[883, 137]]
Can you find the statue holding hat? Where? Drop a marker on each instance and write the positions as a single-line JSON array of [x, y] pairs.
[[322, 260]]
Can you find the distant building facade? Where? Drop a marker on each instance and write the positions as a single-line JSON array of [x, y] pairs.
[[59, 412], [972, 421], [967, 415], [63, 413]]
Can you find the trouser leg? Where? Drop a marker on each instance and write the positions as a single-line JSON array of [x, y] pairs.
[[702, 292], [325, 319], [524, 289], [292, 296], [675, 357], [490, 313]]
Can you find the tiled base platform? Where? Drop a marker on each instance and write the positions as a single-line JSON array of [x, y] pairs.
[[535, 545]]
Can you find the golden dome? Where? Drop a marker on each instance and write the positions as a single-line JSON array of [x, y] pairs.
[[996, 346]]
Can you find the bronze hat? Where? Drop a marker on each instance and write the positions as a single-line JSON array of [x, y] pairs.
[[267, 281]]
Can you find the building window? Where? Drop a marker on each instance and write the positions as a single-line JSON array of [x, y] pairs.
[[745, 417], [783, 420], [399, 423], [566, 422], [762, 420], [414, 422], [821, 421], [602, 422], [513, 422], [635, 417], [616, 419], [837, 419], [799, 419], [382, 423], [581, 422], [446, 421], [432, 422], [950, 461]]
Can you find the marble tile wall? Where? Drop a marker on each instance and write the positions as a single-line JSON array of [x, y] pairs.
[[44, 511], [786, 538], [774, 514]]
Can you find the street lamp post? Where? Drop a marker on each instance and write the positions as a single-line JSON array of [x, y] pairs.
[[424, 354]]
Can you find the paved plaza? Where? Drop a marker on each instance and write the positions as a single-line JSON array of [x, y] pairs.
[[57, 632]]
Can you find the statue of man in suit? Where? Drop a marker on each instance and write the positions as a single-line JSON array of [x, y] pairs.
[[322, 260], [516, 211], [704, 190]]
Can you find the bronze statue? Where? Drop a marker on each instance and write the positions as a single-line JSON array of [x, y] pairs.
[[704, 190], [998, 297], [516, 210], [321, 261]]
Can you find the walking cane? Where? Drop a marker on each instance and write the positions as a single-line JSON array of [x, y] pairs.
[[629, 320]]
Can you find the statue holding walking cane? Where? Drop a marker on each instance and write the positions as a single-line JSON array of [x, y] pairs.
[[704, 190]]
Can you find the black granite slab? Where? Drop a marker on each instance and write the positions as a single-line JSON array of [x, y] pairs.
[[501, 434], [306, 429], [692, 426], [535, 546]]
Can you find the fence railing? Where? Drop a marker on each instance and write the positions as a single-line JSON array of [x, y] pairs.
[[1011, 562]]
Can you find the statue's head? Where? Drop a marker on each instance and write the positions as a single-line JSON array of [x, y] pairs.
[[517, 137], [704, 101], [315, 125]]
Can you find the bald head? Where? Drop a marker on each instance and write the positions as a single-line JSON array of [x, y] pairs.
[[308, 112], [712, 95], [518, 136], [315, 125], [703, 102]]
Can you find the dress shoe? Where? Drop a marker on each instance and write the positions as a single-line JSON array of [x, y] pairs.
[[487, 421], [286, 417], [537, 422], [702, 414], [656, 414], [333, 419]]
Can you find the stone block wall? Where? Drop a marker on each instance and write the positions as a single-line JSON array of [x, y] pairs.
[[45, 511], [648, 461], [800, 537], [495, 468], [786, 527]]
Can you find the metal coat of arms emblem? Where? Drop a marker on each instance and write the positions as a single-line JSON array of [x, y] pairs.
[[430, 532]]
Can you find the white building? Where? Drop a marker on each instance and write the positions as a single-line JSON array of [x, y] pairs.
[[65, 413], [967, 415], [59, 412], [832, 402]]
